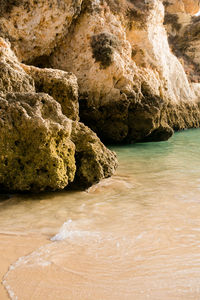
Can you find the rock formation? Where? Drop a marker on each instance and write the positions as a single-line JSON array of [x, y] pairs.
[[36, 152], [12, 76], [134, 68], [94, 161], [128, 77], [35, 27], [62, 86], [40, 148], [183, 29], [189, 7]]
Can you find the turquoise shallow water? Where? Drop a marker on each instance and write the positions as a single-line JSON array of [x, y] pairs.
[[133, 236], [165, 165]]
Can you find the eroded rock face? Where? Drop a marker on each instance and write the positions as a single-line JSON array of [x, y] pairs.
[[40, 148], [182, 6], [94, 161], [126, 72], [36, 152], [127, 75], [186, 46], [183, 30], [12, 76], [62, 86], [36, 27], [191, 40], [17, 77]]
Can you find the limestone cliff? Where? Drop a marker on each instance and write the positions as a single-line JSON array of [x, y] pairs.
[[35, 27], [127, 74], [128, 77]]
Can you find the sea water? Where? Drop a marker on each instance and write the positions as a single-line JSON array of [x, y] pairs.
[[133, 236]]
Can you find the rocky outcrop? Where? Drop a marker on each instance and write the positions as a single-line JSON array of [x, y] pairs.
[[40, 148], [93, 160], [190, 39], [183, 32], [12, 76], [35, 28], [36, 152], [127, 74], [131, 86], [62, 86], [16, 77], [185, 44]]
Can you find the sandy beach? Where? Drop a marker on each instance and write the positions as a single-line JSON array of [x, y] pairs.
[[13, 247]]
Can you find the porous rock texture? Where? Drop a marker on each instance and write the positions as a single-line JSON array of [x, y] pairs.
[[94, 161], [12, 76], [131, 84], [183, 28], [35, 27], [40, 147], [35, 147], [182, 6], [62, 86]]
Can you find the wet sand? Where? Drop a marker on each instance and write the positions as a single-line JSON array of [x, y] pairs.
[[13, 247]]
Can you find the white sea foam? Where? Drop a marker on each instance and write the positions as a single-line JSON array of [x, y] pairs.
[[35, 258], [9, 290], [67, 230]]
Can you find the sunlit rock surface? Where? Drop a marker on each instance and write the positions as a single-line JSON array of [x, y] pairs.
[[62, 86], [182, 6], [128, 69], [40, 147], [183, 29], [36, 152], [12, 76], [129, 78], [36, 27]]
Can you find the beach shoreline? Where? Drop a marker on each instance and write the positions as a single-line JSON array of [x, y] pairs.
[[12, 247]]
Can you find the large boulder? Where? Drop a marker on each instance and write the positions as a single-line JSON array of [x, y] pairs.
[[36, 152], [41, 149]]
